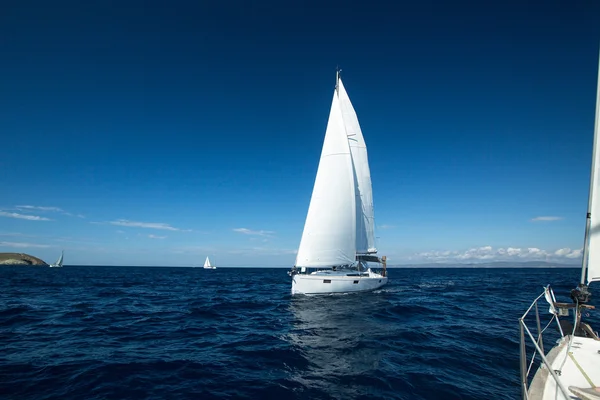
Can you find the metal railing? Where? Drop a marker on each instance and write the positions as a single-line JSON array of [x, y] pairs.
[[538, 342]]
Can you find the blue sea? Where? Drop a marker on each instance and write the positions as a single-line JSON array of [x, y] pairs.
[[237, 333]]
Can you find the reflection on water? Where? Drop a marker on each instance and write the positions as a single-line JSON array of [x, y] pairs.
[[343, 340]]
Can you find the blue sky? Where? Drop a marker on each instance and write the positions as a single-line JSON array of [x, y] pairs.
[[157, 133]]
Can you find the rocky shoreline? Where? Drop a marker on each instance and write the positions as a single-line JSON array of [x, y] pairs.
[[20, 259]]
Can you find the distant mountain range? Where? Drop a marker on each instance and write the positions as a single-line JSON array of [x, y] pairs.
[[494, 264]]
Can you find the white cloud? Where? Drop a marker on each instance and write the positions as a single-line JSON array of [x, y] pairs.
[[27, 208], [41, 208], [23, 245], [489, 253], [156, 237], [549, 218], [23, 216], [567, 252], [575, 254], [247, 231], [148, 225], [511, 251]]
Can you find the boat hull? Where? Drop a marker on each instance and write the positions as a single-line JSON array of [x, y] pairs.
[[330, 283]]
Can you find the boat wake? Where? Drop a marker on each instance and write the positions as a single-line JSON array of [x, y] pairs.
[[435, 284]]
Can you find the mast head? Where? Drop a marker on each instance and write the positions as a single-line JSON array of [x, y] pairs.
[[337, 76]]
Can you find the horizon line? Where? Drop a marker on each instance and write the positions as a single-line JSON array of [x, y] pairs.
[[398, 266]]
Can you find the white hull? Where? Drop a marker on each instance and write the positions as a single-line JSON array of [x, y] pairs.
[[330, 282], [210, 267], [55, 266]]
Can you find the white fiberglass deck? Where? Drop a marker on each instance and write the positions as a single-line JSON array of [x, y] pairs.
[[581, 369], [328, 281]]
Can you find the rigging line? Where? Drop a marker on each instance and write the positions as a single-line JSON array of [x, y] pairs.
[[572, 336]]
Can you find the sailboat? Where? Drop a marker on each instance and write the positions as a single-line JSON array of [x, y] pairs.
[[59, 262], [571, 369], [338, 239], [207, 264]]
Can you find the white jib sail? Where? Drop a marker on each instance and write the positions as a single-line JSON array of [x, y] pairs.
[[365, 223], [593, 261]]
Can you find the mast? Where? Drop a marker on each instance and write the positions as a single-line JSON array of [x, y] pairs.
[[337, 89], [586, 239]]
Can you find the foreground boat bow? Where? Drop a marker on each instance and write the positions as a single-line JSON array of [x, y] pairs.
[[571, 369]]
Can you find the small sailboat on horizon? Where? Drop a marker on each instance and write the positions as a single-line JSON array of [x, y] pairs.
[[338, 239], [59, 262], [207, 264]]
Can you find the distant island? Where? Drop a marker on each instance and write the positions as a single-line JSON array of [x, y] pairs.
[[20, 259]]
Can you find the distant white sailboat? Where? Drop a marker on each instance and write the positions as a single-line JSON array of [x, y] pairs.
[[59, 262], [207, 264], [571, 369], [338, 238]]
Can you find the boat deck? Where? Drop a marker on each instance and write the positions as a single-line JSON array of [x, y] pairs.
[[579, 367]]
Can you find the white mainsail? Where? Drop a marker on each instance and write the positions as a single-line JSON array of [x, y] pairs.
[[329, 236], [593, 245], [207, 263], [365, 221]]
